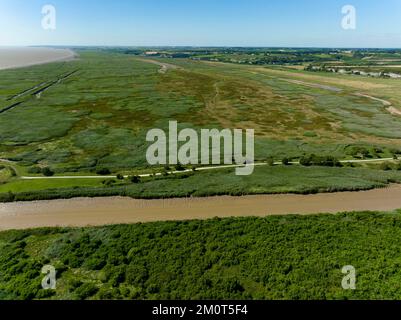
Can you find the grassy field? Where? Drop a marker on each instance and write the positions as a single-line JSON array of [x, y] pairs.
[[291, 257], [97, 111], [265, 180], [91, 120]]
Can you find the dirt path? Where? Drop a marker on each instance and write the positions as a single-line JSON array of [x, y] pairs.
[[387, 104], [164, 66], [102, 211], [147, 175]]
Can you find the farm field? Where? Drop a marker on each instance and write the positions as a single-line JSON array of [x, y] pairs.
[[91, 115]]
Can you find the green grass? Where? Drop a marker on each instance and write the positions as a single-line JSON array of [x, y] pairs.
[[99, 117], [265, 180], [286, 257], [17, 186]]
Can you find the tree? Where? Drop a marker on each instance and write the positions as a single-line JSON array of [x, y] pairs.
[[314, 160], [135, 179], [11, 196], [103, 171], [305, 161], [120, 176], [86, 291], [286, 161], [47, 172]]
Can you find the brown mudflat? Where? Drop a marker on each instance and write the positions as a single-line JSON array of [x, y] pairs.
[[11, 58], [102, 211]]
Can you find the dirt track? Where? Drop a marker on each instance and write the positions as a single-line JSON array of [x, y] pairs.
[[164, 66]]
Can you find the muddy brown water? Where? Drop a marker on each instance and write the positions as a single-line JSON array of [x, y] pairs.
[[114, 210]]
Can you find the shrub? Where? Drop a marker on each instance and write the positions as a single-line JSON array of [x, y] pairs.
[[13, 172], [135, 179], [45, 294], [109, 183], [305, 161], [179, 167], [325, 161], [8, 197], [47, 172], [103, 171], [270, 162], [359, 152], [118, 276], [385, 166], [86, 291], [95, 263], [34, 170]]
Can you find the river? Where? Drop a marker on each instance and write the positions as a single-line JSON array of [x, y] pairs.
[[81, 212]]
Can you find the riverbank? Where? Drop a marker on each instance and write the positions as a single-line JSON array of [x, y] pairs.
[[118, 210], [265, 180]]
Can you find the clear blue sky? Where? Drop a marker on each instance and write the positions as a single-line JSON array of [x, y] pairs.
[[202, 23]]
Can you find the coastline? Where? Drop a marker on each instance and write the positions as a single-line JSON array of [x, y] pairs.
[[32, 56]]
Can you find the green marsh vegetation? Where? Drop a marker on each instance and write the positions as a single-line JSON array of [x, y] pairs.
[[96, 120], [265, 180]]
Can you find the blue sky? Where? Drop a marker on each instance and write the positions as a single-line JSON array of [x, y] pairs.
[[305, 23]]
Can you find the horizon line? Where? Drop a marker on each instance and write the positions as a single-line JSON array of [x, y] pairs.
[[198, 46]]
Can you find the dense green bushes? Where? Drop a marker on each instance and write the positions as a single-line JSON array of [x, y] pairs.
[[286, 257], [314, 160], [47, 172]]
